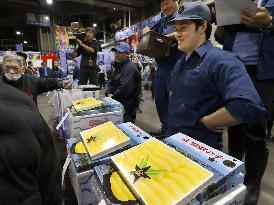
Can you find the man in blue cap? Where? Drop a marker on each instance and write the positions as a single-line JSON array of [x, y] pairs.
[[124, 84], [166, 64], [210, 88]]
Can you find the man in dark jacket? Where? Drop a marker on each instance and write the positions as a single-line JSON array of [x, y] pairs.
[[44, 70], [28, 84], [29, 169], [88, 48], [165, 26], [124, 84]]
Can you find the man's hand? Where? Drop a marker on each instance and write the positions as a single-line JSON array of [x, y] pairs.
[[79, 42], [67, 84], [171, 35], [256, 19], [207, 123], [145, 30]]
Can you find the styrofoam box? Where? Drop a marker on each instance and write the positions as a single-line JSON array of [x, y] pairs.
[[76, 123]]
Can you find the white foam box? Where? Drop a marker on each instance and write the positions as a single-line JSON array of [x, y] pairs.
[[80, 177], [67, 96], [81, 173], [77, 123], [81, 182], [55, 101], [232, 197]]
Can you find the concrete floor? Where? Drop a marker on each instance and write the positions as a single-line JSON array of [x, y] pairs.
[[148, 120]]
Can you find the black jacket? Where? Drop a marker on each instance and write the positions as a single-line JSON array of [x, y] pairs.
[[29, 169], [86, 56], [56, 73], [33, 86], [124, 85]]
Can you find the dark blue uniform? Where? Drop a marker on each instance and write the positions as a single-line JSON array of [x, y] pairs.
[[250, 139], [165, 67], [208, 80], [44, 72], [124, 85]]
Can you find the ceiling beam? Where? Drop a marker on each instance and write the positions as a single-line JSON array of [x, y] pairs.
[[23, 2], [103, 3]]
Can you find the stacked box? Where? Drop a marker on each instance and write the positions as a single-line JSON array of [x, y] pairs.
[[110, 183], [153, 171], [232, 197], [79, 121], [103, 190], [104, 185], [81, 170], [61, 100], [227, 170], [225, 180], [84, 173], [103, 140], [55, 101]]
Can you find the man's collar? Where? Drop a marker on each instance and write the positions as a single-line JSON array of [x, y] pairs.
[[202, 49], [123, 62], [17, 83]]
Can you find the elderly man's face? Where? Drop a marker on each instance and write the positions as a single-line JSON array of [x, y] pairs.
[[12, 66], [120, 56], [169, 7]]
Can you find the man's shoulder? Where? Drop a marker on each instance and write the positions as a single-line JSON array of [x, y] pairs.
[[129, 64], [220, 54], [30, 78], [218, 59], [130, 67]]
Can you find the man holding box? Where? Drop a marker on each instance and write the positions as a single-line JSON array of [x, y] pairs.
[[165, 65]]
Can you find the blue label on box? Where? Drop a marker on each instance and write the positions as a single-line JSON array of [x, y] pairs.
[[218, 161], [136, 134]]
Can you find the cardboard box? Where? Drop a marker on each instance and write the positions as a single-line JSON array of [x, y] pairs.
[[227, 170], [136, 134], [225, 178], [152, 169], [232, 197]]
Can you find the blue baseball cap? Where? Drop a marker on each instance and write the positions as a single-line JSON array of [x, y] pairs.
[[192, 11], [121, 47]]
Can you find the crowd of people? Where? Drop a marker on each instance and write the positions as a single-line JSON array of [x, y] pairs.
[[199, 90]]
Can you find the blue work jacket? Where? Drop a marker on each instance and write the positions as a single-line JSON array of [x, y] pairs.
[[265, 69], [207, 81]]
